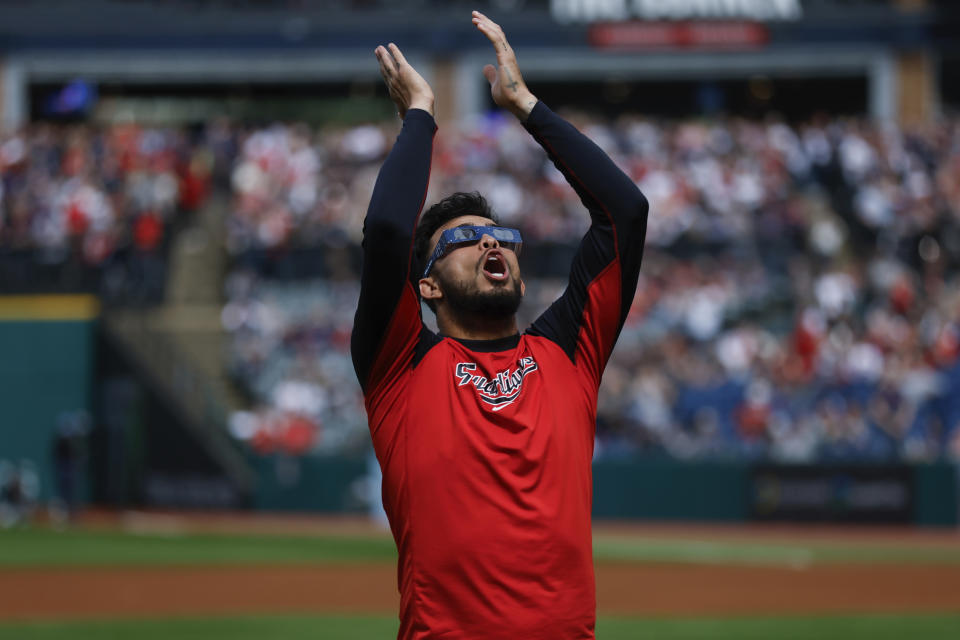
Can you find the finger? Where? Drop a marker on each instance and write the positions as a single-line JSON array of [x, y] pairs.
[[388, 79], [397, 54], [387, 60], [494, 34], [482, 22], [382, 57], [384, 74], [480, 19], [490, 73], [477, 15], [486, 30]]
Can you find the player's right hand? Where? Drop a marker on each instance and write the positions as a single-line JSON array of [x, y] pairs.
[[407, 88]]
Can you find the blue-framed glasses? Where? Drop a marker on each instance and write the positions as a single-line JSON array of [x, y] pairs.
[[468, 234]]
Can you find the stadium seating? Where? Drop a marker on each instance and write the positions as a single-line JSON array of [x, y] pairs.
[[91, 209], [797, 303]]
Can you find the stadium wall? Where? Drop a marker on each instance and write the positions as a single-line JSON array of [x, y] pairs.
[[46, 373], [328, 484], [837, 492], [665, 489]]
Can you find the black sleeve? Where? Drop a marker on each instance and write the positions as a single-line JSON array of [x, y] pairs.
[[388, 231], [586, 320]]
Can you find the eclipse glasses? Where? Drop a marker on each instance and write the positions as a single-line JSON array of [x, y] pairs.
[[468, 234]]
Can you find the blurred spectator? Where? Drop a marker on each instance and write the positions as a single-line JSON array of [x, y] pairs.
[[69, 458], [19, 488]]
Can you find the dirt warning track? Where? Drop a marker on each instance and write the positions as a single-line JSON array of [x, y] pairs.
[[714, 588], [623, 589]]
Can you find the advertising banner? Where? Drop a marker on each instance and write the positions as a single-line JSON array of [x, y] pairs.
[[828, 493]]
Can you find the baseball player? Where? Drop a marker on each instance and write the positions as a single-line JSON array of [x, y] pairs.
[[485, 434]]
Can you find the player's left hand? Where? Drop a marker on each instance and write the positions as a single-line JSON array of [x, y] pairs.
[[506, 84]]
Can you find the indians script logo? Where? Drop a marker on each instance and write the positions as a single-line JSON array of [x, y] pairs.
[[502, 389]]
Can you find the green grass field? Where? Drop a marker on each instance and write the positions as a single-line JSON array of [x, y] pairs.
[[933, 627], [49, 548], [40, 548], [45, 547]]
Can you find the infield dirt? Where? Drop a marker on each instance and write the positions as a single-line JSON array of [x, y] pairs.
[[715, 589]]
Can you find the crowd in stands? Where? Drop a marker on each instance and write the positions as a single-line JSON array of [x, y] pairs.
[[91, 207], [290, 350], [799, 297]]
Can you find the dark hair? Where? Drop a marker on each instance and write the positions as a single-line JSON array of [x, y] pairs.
[[453, 206], [440, 213]]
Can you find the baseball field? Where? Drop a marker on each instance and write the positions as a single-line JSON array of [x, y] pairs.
[[153, 576]]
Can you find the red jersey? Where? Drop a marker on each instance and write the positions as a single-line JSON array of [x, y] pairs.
[[486, 445]]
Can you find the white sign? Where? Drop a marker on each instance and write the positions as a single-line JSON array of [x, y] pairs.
[[567, 11]]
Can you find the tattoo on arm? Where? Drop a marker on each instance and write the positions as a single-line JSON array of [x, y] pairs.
[[512, 85]]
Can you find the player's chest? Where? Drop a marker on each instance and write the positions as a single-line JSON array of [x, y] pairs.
[[513, 411], [524, 388]]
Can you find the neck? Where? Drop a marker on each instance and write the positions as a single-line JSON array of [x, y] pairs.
[[475, 328]]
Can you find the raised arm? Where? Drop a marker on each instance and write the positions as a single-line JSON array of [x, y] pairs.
[[387, 321], [587, 318]]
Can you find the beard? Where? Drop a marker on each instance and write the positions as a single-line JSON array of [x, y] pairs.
[[468, 303]]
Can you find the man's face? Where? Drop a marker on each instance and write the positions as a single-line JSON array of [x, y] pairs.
[[482, 278]]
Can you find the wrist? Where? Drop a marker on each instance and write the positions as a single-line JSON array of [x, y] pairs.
[[523, 105], [422, 102]]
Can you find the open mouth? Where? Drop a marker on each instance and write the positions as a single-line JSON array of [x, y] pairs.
[[495, 267]]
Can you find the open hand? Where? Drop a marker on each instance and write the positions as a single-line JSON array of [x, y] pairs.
[[506, 84], [407, 88]]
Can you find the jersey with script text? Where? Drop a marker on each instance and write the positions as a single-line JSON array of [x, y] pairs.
[[486, 446]]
